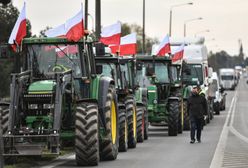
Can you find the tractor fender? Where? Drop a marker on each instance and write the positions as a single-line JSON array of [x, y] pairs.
[[104, 84], [174, 98]]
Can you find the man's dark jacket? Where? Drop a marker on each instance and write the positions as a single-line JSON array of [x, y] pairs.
[[197, 106]]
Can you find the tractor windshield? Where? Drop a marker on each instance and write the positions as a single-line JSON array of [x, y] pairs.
[[160, 71], [108, 69], [196, 75], [47, 58]]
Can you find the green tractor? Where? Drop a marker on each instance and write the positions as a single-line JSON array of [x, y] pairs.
[[132, 116], [179, 71], [58, 99], [155, 74]]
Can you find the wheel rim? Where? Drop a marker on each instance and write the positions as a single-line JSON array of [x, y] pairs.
[[134, 122], [113, 122]]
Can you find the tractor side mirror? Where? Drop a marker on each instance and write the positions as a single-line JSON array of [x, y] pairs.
[[100, 49], [99, 69]]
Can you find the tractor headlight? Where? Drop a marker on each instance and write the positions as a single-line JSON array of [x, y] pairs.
[[48, 106], [33, 106], [155, 101]]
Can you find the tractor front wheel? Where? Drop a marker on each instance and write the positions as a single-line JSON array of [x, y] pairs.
[[140, 124], [110, 144], [123, 131], [186, 123], [132, 122], [86, 135], [173, 117]]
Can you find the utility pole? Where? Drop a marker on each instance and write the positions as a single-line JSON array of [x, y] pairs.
[[98, 18], [143, 33], [86, 15]]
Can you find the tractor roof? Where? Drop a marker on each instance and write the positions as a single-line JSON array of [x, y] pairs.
[[113, 59], [49, 40], [155, 58]]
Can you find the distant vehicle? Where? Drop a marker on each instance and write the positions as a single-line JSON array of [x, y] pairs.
[[220, 96], [227, 78]]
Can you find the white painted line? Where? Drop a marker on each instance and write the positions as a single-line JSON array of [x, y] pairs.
[[220, 149], [239, 135], [60, 161]]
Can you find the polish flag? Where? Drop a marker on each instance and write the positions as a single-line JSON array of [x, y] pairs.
[[114, 49], [128, 44], [20, 29], [58, 31], [111, 35], [164, 47], [178, 53], [73, 29]]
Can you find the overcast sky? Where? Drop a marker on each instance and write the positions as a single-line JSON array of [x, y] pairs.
[[227, 20]]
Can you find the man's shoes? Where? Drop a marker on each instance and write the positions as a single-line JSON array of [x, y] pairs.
[[192, 141], [199, 141]]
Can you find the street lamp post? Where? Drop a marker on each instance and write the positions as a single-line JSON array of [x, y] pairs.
[[143, 31], [190, 20], [170, 23], [203, 31]]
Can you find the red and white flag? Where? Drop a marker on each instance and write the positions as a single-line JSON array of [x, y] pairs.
[[20, 29], [164, 47], [178, 53], [128, 45], [111, 34], [73, 29], [58, 31]]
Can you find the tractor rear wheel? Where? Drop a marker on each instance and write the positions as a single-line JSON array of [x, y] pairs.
[[146, 123], [180, 124], [4, 110], [86, 135], [186, 123], [109, 145], [132, 122], [140, 124], [123, 131], [173, 117]]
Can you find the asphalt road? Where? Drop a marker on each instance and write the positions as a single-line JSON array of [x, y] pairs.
[[224, 143], [163, 151]]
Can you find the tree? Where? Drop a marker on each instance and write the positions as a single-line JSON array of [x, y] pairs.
[[42, 32]]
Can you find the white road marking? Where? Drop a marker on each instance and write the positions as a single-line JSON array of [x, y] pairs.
[[220, 149], [59, 161]]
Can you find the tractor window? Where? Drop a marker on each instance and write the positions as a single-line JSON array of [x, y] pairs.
[[125, 70], [161, 71], [174, 73], [44, 59], [109, 70]]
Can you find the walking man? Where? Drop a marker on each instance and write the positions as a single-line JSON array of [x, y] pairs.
[[197, 108]]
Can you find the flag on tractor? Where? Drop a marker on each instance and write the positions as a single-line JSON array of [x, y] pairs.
[[164, 47], [73, 29], [128, 45], [178, 53], [111, 34], [20, 29]]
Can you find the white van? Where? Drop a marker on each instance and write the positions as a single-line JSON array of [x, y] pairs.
[[227, 78]]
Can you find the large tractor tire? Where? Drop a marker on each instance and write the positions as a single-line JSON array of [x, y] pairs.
[[86, 135], [4, 117], [140, 124], [132, 122], [1, 140], [146, 124], [123, 131], [110, 144], [173, 117], [186, 122], [180, 124]]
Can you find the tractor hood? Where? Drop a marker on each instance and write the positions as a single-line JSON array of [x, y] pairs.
[[42, 87]]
